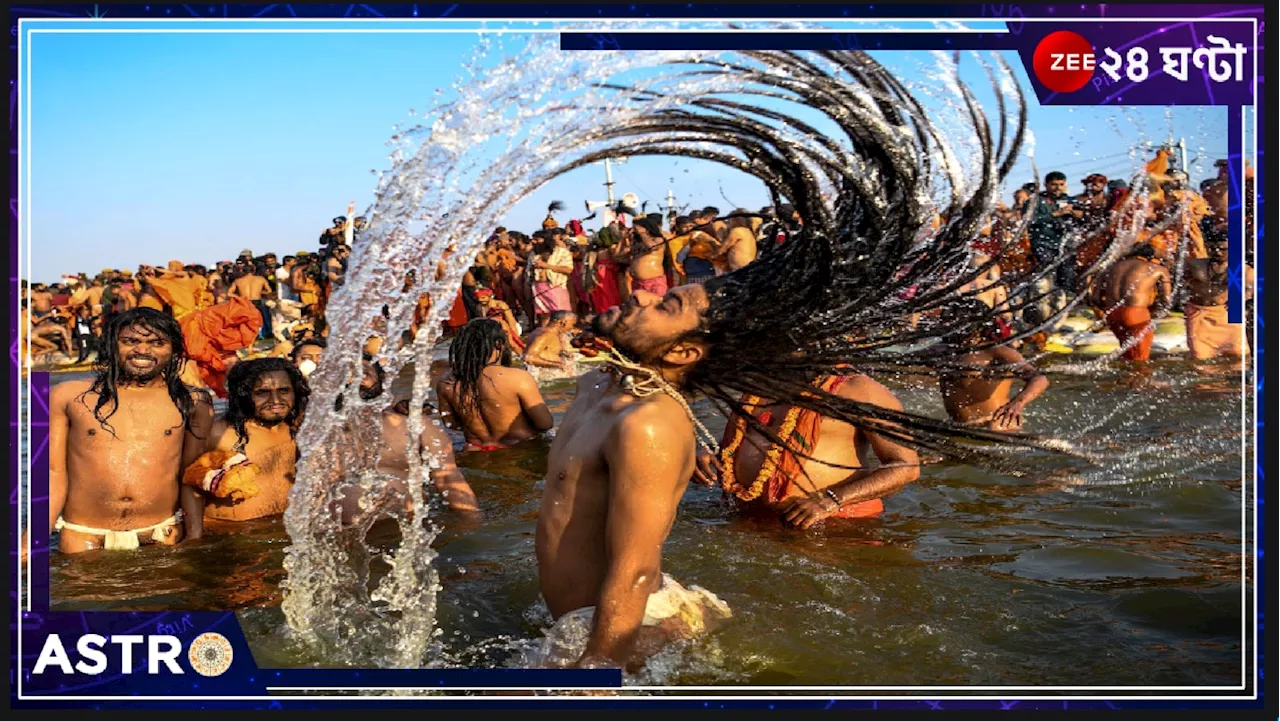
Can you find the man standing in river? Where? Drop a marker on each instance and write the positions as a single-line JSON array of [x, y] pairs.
[[1127, 292], [118, 442]]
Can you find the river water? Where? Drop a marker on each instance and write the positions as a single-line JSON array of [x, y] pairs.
[[1131, 576]]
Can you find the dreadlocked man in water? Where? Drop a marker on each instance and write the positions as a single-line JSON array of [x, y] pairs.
[[493, 405], [824, 305], [266, 403], [118, 442]]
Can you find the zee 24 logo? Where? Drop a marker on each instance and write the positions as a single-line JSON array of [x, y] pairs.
[[1064, 62]]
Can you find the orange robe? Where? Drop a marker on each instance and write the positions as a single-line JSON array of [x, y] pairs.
[[213, 335], [183, 295]]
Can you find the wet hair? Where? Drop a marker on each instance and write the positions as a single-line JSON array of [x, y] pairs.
[[1055, 175], [653, 229], [830, 300], [469, 356], [682, 220], [1142, 250], [559, 315], [107, 373], [240, 381]]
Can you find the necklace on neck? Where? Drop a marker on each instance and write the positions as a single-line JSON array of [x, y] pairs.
[[642, 382]]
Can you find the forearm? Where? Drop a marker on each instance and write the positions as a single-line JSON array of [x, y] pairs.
[[540, 360], [883, 481], [193, 512], [1032, 390], [619, 615]]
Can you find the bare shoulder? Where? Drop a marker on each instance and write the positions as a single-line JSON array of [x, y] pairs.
[[1003, 355], [658, 421], [519, 376], [867, 390], [63, 393]]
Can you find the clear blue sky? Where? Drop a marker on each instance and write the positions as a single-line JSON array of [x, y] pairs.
[[147, 148]]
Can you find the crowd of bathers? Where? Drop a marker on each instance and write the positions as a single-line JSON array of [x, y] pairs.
[[531, 307]]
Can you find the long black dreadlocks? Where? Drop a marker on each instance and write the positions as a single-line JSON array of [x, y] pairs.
[[469, 355], [832, 299], [109, 373], [240, 382]]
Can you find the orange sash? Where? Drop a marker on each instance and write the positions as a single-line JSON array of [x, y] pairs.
[[801, 429]]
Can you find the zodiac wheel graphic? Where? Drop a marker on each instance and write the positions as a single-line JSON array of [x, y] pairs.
[[210, 654]]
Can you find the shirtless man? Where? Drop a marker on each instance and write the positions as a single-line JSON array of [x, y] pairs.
[[267, 398], [255, 289], [977, 393], [807, 491], [1127, 292], [119, 441], [494, 309], [739, 247], [90, 297], [393, 459], [494, 406], [616, 472], [1209, 334], [547, 348], [41, 301], [336, 266], [647, 271], [34, 345]]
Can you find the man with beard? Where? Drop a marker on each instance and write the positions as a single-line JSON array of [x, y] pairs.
[[824, 305], [267, 398], [119, 441]]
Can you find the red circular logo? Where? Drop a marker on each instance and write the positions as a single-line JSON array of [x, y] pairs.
[[1064, 61]]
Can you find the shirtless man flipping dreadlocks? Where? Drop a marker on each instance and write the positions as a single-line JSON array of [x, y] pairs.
[[779, 328]]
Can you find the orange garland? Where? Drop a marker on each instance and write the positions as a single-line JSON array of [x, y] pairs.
[[728, 479]]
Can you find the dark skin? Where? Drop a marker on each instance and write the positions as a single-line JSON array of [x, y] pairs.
[[270, 447], [129, 479]]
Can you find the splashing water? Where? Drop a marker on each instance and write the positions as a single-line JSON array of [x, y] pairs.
[[515, 123]]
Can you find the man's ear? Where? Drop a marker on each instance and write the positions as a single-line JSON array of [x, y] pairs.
[[685, 353]]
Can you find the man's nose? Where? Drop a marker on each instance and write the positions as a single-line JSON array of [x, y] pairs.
[[644, 298]]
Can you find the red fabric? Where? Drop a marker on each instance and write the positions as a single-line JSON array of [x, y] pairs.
[[457, 314], [213, 335], [1129, 322], [605, 295]]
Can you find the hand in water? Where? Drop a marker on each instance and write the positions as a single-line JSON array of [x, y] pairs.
[[805, 512], [708, 469], [1009, 417]]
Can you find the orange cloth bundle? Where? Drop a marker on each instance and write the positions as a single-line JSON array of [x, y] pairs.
[[223, 474], [214, 334]]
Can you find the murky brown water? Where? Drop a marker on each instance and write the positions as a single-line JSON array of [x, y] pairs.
[[1128, 577]]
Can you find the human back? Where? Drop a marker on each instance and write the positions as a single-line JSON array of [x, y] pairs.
[[492, 404], [1133, 282]]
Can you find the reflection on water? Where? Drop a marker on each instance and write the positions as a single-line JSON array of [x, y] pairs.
[[1125, 576]]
